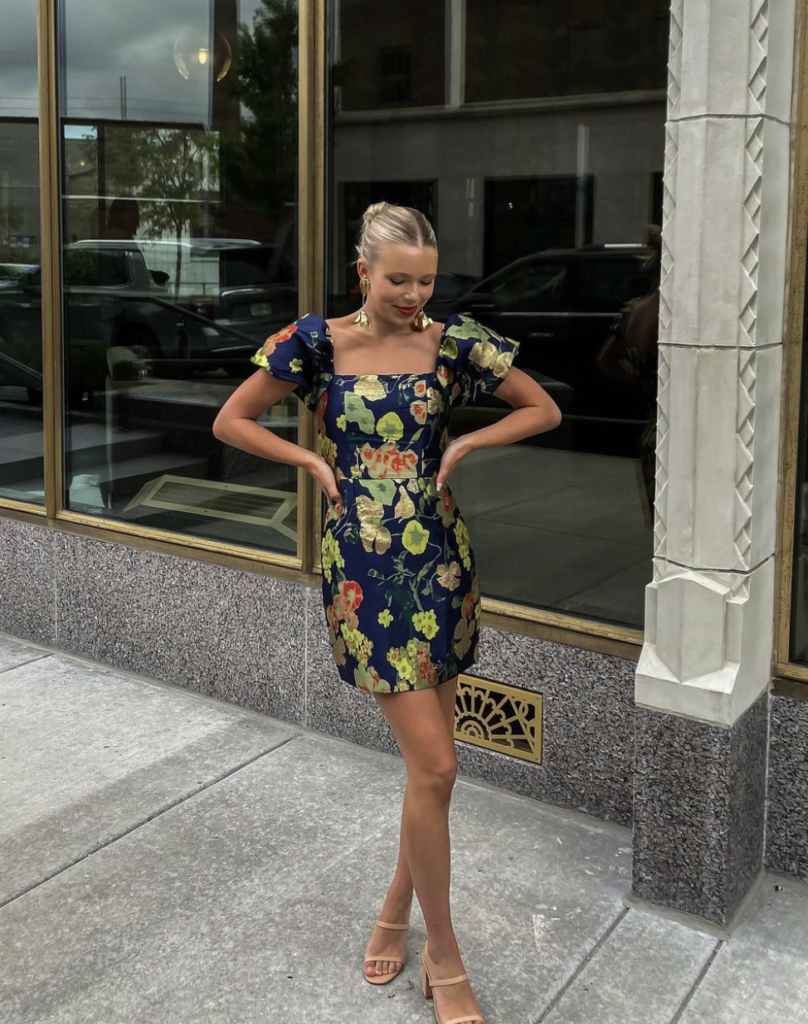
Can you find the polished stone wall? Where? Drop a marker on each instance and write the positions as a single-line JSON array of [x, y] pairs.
[[260, 642], [787, 820], [699, 805]]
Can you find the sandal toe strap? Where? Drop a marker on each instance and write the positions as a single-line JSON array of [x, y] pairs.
[[465, 1020], [392, 959]]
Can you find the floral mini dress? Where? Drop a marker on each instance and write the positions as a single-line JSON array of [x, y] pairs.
[[400, 586]]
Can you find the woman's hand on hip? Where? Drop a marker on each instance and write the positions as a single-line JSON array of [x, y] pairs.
[[454, 453], [327, 481]]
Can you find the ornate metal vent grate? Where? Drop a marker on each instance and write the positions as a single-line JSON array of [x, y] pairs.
[[499, 717]]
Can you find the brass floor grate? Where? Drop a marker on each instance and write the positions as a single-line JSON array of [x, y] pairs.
[[499, 717], [256, 506]]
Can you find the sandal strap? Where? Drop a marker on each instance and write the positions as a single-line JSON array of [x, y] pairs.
[[394, 959], [384, 924], [449, 981], [464, 1020]]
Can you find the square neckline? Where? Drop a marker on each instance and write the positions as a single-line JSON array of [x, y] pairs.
[[407, 373]]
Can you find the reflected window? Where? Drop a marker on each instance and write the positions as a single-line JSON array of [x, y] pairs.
[[21, 448], [523, 49], [179, 157], [547, 225]]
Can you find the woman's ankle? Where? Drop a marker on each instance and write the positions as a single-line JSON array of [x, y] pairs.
[[398, 904], [443, 948]]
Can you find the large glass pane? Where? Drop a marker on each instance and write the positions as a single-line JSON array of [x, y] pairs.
[[547, 216], [179, 164], [799, 596], [21, 466]]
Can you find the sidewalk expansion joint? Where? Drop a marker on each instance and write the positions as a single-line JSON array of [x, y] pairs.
[[22, 664], [699, 979], [580, 968], [146, 820]]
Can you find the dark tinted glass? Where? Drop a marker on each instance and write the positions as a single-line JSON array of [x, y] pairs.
[[21, 464]]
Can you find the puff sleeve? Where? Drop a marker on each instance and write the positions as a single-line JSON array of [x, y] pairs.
[[482, 360], [294, 354]]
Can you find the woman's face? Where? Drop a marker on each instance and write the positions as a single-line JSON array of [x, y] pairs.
[[402, 280]]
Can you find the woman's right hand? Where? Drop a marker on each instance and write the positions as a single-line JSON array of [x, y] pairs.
[[324, 475]]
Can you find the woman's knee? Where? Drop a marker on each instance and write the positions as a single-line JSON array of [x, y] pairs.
[[438, 774]]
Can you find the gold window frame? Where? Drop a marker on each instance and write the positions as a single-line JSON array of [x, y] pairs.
[[790, 677], [304, 567]]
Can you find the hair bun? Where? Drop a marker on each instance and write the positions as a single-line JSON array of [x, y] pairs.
[[373, 211]]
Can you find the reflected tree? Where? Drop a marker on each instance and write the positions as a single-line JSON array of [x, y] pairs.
[[262, 163]]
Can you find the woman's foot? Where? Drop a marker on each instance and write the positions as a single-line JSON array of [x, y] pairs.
[[387, 942], [451, 1001]]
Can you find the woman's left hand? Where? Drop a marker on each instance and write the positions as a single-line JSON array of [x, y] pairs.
[[454, 453]]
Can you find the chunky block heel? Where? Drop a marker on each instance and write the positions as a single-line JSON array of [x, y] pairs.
[[426, 988], [427, 984]]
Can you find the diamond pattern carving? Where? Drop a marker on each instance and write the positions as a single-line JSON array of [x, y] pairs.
[[750, 259], [663, 426], [745, 455]]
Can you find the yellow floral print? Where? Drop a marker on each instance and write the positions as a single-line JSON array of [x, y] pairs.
[[331, 555], [415, 537], [385, 617], [426, 623], [390, 427], [462, 537], [359, 646]]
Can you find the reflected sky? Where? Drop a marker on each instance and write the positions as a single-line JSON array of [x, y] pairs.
[[103, 41]]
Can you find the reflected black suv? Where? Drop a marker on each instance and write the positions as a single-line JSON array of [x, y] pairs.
[[561, 304]]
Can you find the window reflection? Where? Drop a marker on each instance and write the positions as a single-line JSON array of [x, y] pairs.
[[179, 136], [21, 463], [547, 218]]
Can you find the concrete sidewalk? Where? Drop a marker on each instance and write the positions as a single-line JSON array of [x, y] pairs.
[[171, 859]]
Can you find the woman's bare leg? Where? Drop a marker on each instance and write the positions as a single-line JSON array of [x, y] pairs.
[[396, 907], [418, 720]]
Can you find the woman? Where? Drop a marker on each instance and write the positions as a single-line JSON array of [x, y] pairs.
[[401, 593]]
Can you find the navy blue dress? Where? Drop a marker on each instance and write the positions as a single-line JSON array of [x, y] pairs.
[[400, 585]]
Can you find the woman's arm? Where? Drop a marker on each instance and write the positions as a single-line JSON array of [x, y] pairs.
[[236, 425], [534, 412]]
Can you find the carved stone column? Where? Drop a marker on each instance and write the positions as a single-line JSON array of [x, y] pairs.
[[705, 667]]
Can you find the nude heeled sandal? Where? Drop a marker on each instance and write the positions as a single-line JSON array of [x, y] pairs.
[[384, 979], [427, 984]]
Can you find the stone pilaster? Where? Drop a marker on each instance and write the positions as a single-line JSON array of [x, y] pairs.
[[707, 655]]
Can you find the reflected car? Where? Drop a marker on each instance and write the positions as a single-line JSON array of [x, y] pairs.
[[114, 298], [561, 305]]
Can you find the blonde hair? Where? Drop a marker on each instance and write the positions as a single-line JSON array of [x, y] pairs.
[[383, 223]]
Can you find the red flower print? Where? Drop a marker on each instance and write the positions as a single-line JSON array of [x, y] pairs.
[[420, 388], [467, 608], [344, 611], [352, 593], [275, 339]]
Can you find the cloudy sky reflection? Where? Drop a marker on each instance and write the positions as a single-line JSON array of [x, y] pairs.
[[103, 42]]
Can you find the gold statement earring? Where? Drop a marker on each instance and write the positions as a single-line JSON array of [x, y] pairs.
[[421, 322], [362, 317]]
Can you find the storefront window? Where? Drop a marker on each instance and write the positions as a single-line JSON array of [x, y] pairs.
[[547, 219], [799, 597], [21, 458], [179, 186]]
